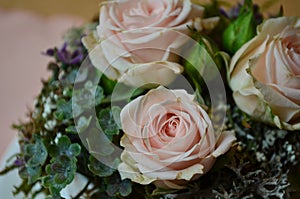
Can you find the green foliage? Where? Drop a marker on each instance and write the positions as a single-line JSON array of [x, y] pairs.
[[98, 143], [64, 110], [62, 168], [86, 98], [116, 187], [109, 120], [107, 84], [31, 174], [36, 155], [99, 168], [64, 147], [61, 172], [82, 124], [37, 152], [241, 30]]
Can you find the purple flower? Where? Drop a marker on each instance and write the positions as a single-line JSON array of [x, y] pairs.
[[19, 162], [67, 57], [234, 12], [50, 52]]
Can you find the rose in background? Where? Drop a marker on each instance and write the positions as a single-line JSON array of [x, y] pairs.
[[265, 74], [134, 38], [169, 139]]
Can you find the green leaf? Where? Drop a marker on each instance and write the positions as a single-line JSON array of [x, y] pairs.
[[99, 168], [63, 144], [83, 123], [69, 79], [241, 30], [200, 66], [112, 189], [37, 153], [64, 110], [86, 98], [107, 84], [98, 143], [119, 187], [61, 172], [109, 120], [32, 174], [64, 147], [71, 129], [62, 169], [125, 188], [74, 150]]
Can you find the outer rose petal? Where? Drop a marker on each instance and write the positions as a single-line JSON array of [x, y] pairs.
[[260, 76], [97, 57], [224, 143], [162, 72], [128, 172]]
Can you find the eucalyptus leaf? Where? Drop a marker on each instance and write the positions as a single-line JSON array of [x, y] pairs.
[[37, 153], [125, 188], [83, 123], [64, 110], [99, 168], [61, 172], [32, 174], [109, 120], [86, 98]]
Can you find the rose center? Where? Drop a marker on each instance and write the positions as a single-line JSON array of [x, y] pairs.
[[293, 43], [171, 125]]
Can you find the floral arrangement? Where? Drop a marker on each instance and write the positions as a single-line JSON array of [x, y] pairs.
[[168, 99]]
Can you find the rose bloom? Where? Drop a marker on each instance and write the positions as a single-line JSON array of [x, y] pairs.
[[265, 74], [134, 39], [168, 139]]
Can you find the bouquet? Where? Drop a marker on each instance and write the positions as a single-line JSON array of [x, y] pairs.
[[168, 99]]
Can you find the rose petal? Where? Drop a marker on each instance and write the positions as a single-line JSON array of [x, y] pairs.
[[161, 73], [224, 143]]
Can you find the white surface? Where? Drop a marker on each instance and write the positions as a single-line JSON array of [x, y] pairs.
[[7, 182]]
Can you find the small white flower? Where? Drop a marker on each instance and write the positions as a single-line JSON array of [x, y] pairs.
[[50, 125], [57, 137], [48, 106]]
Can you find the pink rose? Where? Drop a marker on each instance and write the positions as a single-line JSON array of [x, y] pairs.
[[169, 139], [134, 39], [265, 74]]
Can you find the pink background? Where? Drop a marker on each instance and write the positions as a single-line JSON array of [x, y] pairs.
[[23, 36]]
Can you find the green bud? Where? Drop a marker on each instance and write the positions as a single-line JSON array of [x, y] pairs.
[[240, 30]]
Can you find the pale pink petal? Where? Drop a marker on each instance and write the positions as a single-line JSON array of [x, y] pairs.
[[224, 143]]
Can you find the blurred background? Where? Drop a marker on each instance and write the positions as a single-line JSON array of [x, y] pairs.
[[28, 27]]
